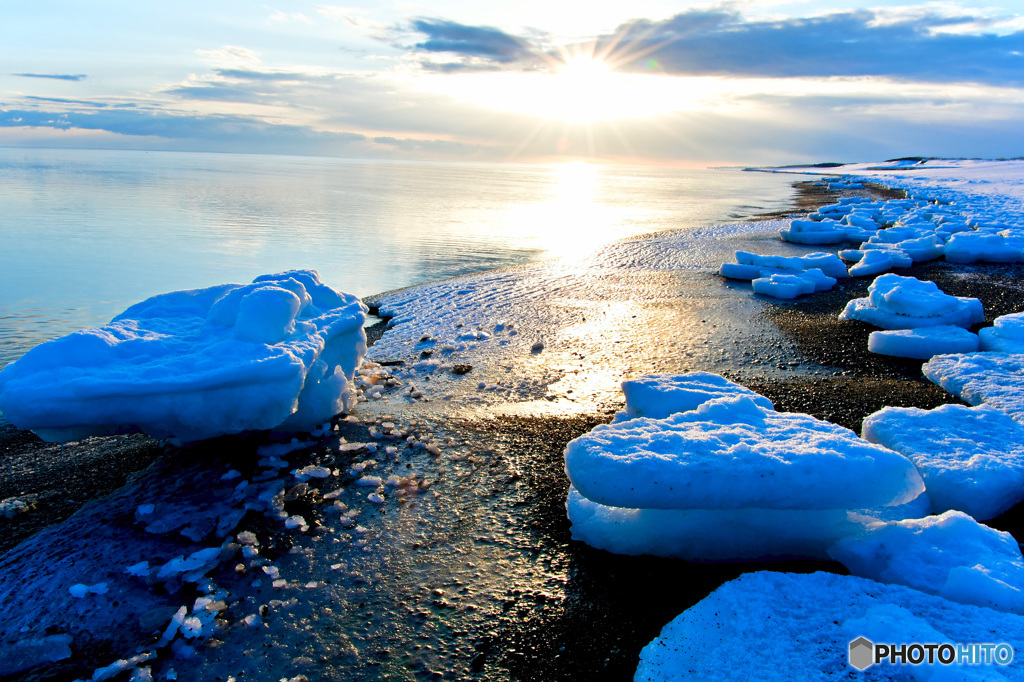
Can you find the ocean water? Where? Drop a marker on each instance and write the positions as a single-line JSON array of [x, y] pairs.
[[84, 234]]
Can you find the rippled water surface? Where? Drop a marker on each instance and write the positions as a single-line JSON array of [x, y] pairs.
[[86, 233]]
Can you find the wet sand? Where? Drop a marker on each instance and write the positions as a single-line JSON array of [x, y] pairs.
[[518, 598]]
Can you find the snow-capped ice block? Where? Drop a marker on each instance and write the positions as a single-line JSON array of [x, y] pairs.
[[731, 453], [782, 286], [896, 235], [659, 395], [971, 458], [715, 535], [996, 379], [828, 263], [876, 261], [923, 248], [709, 535], [981, 247], [811, 232], [1006, 335], [785, 626], [860, 220], [950, 555], [923, 342], [896, 302], [814, 277], [278, 353]]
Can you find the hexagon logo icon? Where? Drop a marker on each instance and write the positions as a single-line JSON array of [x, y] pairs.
[[862, 653]]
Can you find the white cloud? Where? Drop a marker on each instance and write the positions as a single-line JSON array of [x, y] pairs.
[[230, 55], [279, 17]]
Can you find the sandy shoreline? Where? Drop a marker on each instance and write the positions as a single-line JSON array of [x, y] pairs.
[[560, 609]]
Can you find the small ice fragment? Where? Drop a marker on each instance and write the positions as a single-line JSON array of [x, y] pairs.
[[231, 475], [191, 627], [247, 537], [140, 569], [311, 471], [79, 590], [375, 498], [296, 521]]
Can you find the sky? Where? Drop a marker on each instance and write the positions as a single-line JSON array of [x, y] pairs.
[[753, 82]]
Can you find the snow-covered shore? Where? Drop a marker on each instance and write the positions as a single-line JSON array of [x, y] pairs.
[[469, 495]]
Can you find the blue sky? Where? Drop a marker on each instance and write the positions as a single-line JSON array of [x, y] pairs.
[[761, 81]]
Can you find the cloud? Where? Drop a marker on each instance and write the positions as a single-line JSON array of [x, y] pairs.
[[472, 41], [858, 43], [468, 66], [62, 100], [211, 133], [252, 86], [445, 147], [230, 54], [249, 74], [54, 76], [279, 17]]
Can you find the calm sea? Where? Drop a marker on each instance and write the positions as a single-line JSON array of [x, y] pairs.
[[84, 234]]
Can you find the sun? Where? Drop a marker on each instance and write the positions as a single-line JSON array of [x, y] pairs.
[[573, 89], [584, 90]]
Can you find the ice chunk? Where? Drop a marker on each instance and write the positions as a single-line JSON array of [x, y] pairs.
[[996, 379], [311, 471], [659, 395], [951, 555], [896, 235], [975, 247], [875, 261], [896, 302], [1005, 336], [731, 453], [923, 342], [80, 590], [782, 286], [828, 263], [278, 353], [826, 231], [806, 281], [203, 560], [924, 248], [140, 570], [783, 626], [971, 458], [860, 220], [711, 535]]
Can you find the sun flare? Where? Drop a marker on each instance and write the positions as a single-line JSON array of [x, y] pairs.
[[577, 90], [584, 85]]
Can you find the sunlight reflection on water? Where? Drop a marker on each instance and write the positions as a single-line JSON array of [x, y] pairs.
[[88, 233]]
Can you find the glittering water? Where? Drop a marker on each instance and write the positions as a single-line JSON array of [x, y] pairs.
[[85, 234]]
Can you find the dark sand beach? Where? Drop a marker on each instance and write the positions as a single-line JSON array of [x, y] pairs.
[[483, 580]]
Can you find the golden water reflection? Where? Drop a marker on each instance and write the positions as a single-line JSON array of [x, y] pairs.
[[579, 215]]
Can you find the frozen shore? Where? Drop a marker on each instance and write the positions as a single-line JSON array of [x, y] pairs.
[[475, 575]]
